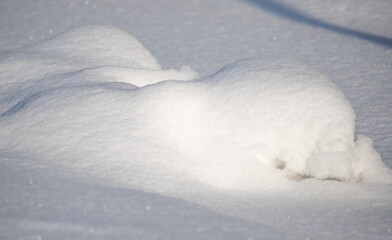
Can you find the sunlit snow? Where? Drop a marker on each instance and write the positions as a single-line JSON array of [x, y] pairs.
[[263, 146], [246, 127]]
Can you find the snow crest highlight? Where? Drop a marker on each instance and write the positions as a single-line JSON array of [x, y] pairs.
[[94, 102]]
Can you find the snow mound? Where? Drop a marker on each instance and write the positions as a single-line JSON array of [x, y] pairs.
[[79, 104], [85, 55]]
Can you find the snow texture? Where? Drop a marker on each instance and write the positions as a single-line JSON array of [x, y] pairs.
[[98, 140], [240, 129]]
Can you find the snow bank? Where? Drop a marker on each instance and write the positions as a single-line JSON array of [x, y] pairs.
[[79, 103]]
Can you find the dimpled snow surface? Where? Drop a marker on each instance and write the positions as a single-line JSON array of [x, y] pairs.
[[98, 140]]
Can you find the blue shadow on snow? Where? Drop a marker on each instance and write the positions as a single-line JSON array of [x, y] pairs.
[[293, 14]]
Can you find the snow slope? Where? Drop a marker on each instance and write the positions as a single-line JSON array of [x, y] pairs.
[[76, 106]]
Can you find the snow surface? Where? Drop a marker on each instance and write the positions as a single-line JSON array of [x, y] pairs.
[[265, 145]]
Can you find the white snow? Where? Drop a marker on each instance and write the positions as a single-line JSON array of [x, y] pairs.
[[251, 122], [89, 54], [269, 145]]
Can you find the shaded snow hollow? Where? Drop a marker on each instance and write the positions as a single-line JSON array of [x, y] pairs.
[[93, 102]]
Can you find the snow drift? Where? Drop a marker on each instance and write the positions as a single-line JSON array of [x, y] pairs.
[[92, 103]]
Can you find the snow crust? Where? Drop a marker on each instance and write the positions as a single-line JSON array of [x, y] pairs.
[[93, 102]]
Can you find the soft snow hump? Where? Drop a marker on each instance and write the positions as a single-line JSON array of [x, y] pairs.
[[79, 103]]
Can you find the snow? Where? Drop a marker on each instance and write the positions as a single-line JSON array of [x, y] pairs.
[[81, 56], [96, 135]]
